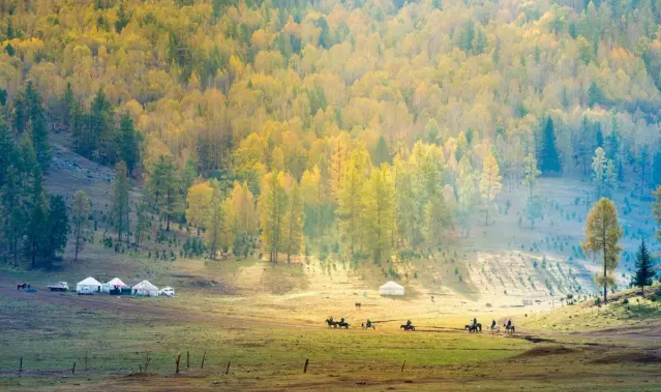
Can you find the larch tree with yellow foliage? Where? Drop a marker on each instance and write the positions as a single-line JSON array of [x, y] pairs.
[[206, 210], [294, 218], [602, 234], [379, 212], [272, 209], [350, 207], [490, 185], [242, 219]]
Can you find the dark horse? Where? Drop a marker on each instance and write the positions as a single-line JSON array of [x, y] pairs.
[[332, 323], [21, 286], [509, 329], [473, 328], [342, 324], [407, 327]]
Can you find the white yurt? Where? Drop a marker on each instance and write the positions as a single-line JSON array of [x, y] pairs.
[[89, 282], [116, 282], [145, 288], [391, 288]]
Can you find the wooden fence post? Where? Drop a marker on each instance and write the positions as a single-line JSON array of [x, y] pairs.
[[20, 367], [73, 369], [187, 359], [228, 367], [305, 369], [203, 358], [403, 363], [177, 362], [86, 357]]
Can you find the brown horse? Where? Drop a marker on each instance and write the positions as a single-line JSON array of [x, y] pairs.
[[358, 305]]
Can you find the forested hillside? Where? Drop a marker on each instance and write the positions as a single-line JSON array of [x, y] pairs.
[[373, 129]]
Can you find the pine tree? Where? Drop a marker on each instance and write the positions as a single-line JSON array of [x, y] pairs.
[[38, 127], [6, 149], [129, 145], [68, 107], [142, 223], [101, 130], [165, 190], [490, 185], [120, 200], [37, 225], [645, 270], [57, 229], [602, 233], [381, 153], [656, 211], [549, 160], [294, 223], [20, 115], [80, 217]]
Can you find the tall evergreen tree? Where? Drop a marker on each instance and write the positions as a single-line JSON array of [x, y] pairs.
[[6, 149], [80, 217], [20, 114], [68, 103], [38, 126], [37, 225], [165, 190], [129, 145], [381, 154], [101, 128], [120, 200], [645, 270], [57, 229], [549, 159]]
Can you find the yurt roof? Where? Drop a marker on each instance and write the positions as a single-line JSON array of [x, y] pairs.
[[116, 282], [145, 285], [89, 281], [391, 285]]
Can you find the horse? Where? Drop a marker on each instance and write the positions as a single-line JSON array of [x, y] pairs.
[[407, 327], [473, 328], [21, 286], [495, 328], [509, 329], [332, 323], [342, 324], [358, 305], [365, 326]]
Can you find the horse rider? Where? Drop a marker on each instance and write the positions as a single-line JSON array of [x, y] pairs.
[[342, 320], [408, 323], [493, 324], [509, 323], [369, 323], [330, 319], [475, 322]]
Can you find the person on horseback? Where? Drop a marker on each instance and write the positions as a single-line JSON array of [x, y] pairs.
[[509, 323], [408, 323], [475, 322], [493, 324], [330, 319], [342, 320], [369, 323]]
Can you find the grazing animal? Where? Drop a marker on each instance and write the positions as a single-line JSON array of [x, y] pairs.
[[358, 305], [473, 328], [407, 327], [509, 329]]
